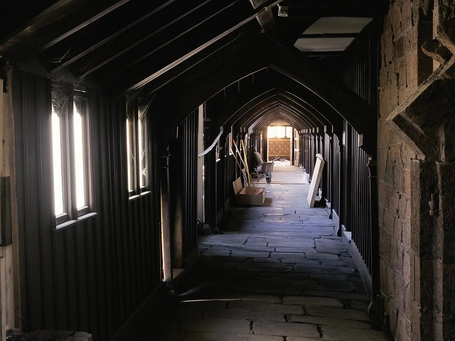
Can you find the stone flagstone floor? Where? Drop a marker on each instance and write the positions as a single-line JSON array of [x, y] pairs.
[[276, 272]]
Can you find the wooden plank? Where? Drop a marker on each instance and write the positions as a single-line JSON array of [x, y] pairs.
[[316, 179], [92, 308], [102, 263], [72, 296], [13, 296], [4, 206], [60, 281], [5, 170], [94, 244], [35, 304], [81, 265], [19, 186], [46, 206]]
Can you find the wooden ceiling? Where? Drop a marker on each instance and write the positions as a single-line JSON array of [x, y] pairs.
[[129, 45]]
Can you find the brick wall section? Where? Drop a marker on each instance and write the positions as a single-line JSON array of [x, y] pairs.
[[279, 146], [399, 77]]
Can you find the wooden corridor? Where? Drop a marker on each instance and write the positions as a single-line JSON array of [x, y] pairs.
[[275, 272]]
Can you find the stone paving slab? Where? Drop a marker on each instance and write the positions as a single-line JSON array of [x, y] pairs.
[[328, 321], [285, 329], [276, 272], [253, 306], [352, 334], [340, 295], [208, 324], [230, 337], [262, 298], [320, 269], [330, 246], [244, 315], [262, 267], [347, 314], [313, 301], [296, 338], [264, 260], [221, 259], [343, 286], [302, 283]]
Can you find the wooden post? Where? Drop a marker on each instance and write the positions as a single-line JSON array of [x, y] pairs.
[[165, 221], [9, 261]]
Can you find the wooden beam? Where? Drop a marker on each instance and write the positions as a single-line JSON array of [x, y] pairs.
[[265, 17], [158, 34], [134, 77], [257, 3], [14, 19], [51, 27], [313, 85], [244, 59], [133, 16], [212, 58], [268, 115], [360, 114], [132, 36]]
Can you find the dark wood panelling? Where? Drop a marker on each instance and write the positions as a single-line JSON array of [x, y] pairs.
[[360, 62], [91, 275], [189, 138], [360, 210], [358, 204], [336, 176]]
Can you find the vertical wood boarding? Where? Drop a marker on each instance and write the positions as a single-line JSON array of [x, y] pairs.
[[189, 144], [91, 275]]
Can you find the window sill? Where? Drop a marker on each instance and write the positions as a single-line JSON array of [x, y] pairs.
[[69, 223], [137, 196]]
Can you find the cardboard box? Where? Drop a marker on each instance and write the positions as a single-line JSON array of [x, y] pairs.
[[254, 196]]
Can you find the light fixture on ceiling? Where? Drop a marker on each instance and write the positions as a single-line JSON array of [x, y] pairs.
[[283, 11]]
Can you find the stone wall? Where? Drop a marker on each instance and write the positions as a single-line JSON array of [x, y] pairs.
[[398, 79], [410, 151]]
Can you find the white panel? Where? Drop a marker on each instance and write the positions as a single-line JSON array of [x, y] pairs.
[[322, 44], [317, 174], [337, 25]]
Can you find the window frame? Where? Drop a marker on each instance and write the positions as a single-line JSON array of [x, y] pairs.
[[65, 100], [272, 131], [83, 210], [136, 118]]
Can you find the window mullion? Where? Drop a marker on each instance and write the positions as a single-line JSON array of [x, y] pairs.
[[137, 158], [64, 158], [71, 163], [86, 142], [143, 148]]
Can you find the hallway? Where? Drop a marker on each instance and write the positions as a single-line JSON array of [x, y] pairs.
[[275, 272]]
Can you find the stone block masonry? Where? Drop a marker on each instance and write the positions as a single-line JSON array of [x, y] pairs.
[[414, 115]]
